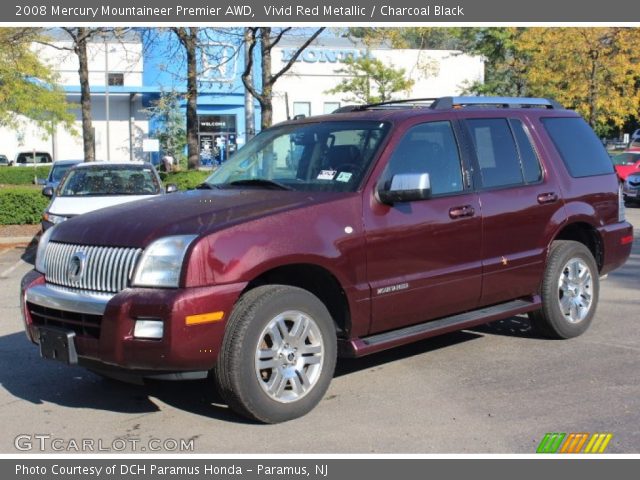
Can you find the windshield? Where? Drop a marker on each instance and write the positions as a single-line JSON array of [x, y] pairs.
[[58, 171], [625, 158], [109, 180], [328, 156]]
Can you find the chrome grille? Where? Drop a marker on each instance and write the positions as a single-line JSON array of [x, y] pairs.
[[106, 269]]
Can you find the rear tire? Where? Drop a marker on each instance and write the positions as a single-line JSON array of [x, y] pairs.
[[570, 289], [278, 354]]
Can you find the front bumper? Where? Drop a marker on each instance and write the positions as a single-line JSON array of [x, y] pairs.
[[630, 192], [104, 324]]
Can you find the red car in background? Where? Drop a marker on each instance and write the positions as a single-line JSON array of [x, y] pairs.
[[634, 146], [626, 163]]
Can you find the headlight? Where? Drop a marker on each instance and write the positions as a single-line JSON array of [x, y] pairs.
[[42, 248], [55, 219], [161, 262]]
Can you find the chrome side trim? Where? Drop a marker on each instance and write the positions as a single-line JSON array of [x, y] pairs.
[[68, 300]]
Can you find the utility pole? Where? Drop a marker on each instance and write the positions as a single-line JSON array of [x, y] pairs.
[[249, 115], [106, 96]]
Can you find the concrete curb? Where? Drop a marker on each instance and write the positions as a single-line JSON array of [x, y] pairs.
[[16, 240]]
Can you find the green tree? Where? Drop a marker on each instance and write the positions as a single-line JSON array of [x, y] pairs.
[[27, 86], [171, 133], [505, 65], [370, 80]]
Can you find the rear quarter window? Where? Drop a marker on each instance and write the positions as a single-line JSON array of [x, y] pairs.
[[581, 151]]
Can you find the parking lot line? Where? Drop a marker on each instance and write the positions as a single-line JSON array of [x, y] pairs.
[[10, 270]]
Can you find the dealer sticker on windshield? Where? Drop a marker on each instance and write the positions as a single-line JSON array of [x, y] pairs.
[[344, 177], [326, 174]]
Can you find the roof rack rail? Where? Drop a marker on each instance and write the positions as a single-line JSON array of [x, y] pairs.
[[446, 103], [386, 104]]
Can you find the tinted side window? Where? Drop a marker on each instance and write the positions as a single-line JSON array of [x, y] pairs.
[[530, 164], [581, 151], [496, 152], [429, 148]]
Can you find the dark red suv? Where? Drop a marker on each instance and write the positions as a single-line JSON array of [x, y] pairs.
[[344, 234]]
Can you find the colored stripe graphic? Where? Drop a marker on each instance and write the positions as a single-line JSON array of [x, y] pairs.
[[598, 443], [574, 442], [550, 443]]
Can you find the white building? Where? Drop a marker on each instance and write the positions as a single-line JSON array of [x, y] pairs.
[[115, 77], [435, 73]]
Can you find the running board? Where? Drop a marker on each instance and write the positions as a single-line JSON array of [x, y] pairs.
[[358, 347]]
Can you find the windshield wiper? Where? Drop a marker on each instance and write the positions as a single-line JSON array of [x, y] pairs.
[[206, 186], [260, 182]]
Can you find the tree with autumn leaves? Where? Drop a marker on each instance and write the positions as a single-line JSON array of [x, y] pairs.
[[595, 71]]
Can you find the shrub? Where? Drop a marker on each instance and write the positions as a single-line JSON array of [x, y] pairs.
[[185, 180], [22, 175], [21, 205]]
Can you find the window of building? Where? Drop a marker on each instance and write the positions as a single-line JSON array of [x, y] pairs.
[[429, 148], [330, 107], [302, 108], [116, 79]]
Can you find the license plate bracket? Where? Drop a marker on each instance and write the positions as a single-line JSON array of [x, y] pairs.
[[58, 344]]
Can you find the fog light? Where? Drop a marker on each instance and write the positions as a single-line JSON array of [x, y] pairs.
[[148, 329]]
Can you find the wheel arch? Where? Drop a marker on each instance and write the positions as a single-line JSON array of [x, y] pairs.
[[315, 279], [585, 233]]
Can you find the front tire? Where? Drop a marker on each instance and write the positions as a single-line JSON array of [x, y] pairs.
[[278, 354], [570, 289]]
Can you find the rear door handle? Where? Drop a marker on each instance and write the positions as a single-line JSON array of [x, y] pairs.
[[548, 197], [460, 212]]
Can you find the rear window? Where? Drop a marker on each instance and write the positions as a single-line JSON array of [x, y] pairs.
[[581, 151], [37, 157]]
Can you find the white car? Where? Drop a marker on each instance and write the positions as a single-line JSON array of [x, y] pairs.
[[91, 186]]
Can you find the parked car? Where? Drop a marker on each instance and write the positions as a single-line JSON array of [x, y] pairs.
[[634, 146], [33, 158], [631, 188], [635, 136], [90, 186], [5, 162], [396, 223], [58, 171], [626, 163]]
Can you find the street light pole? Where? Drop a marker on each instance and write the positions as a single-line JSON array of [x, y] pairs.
[[106, 96]]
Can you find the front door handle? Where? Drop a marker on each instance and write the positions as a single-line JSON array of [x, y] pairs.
[[548, 197], [460, 212]]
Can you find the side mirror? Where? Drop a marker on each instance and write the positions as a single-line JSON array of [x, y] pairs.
[[406, 187], [171, 187], [47, 192]]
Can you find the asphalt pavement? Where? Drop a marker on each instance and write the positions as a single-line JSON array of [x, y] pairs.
[[495, 389]]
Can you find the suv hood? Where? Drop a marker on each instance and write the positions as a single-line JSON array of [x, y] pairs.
[[194, 212]]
